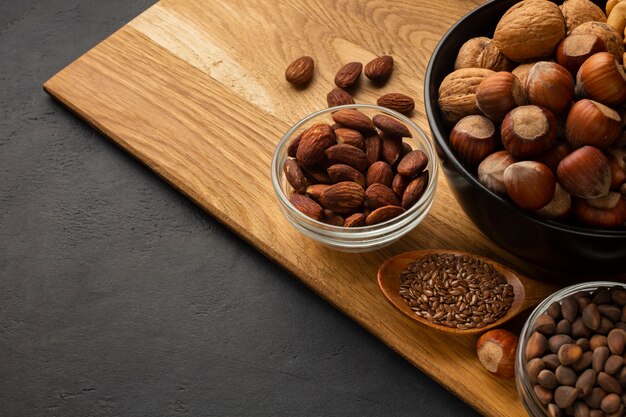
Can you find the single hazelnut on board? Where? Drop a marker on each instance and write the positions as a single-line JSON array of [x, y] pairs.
[[528, 131], [491, 171], [606, 212], [529, 184], [602, 78], [592, 123], [575, 49], [500, 93], [585, 173], [473, 138], [496, 352], [550, 85]]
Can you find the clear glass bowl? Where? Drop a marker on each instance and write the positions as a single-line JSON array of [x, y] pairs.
[[524, 386], [354, 239]]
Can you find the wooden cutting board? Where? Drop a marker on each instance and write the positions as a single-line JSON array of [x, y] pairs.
[[195, 90]]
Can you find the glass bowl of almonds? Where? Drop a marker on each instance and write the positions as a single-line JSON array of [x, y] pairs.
[[356, 177], [570, 356]]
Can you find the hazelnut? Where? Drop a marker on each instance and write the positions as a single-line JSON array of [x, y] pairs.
[[529, 184], [554, 155], [592, 123], [528, 131], [457, 93], [550, 85], [559, 207], [496, 352], [473, 138], [469, 53], [611, 38], [530, 30], [491, 171], [575, 49], [500, 93], [602, 78], [606, 212], [521, 71], [618, 174], [585, 173], [577, 12]]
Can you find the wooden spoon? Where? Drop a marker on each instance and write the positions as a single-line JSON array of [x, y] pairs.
[[527, 292]]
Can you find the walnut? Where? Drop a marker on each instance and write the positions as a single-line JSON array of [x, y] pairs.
[[612, 39], [469, 53], [457, 93], [491, 58], [530, 30], [577, 12]]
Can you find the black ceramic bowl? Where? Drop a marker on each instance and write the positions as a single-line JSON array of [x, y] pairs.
[[555, 246]]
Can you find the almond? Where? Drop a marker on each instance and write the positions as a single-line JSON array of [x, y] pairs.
[[349, 155], [399, 183], [314, 191], [412, 163], [332, 218], [379, 172], [356, 220], [353, 119], [307, 206], [315, 140], [343, 197], [300, 71], [350, 137], [348, 75], [294, 175], [373, 147], [342, 172], [292, 149], [383, 214], [391, 126], [415, 190], [406, 148], [398, 102], [316, 174], [338, 97], [379, 69], [378, 195], [391, 147]]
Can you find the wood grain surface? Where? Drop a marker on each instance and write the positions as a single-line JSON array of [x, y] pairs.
[[195, 90]]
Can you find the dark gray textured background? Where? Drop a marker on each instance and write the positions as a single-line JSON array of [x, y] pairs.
[[119, 297]]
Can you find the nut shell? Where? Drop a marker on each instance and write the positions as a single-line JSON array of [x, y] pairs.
[[530, 30], [528, 131], [577, 12], [473, 138], [491, 171], [500, 93], [612, 39], [592, 123], [529, 184], [585, 173], [602, 78], [550, 85], [457, 93], [612, 216]]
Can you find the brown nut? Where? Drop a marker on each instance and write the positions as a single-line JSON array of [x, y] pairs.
[[313, 144], [391, 147], [348, 75], [564, 396], [353, 119], [307, 206], [616, 340], [379, 172], [592, 123], [491, 172], [379, 69], [373, 147], [294, 175], [355, 220], [565, 375], [391, 126], [300, 71], [492, 58], [378, 195], [602, 78], [469, 53], [550, 85], [348, 155], [528, 131], [529, 184], [570, 353], [414, 190], [457, 93], [535, 346], [544, 324], [521, 71], [348, 136], [577, 12], [342, 198], [611, 38], [338, 97], [342, 172], [558, 208], [314, 191], [473, 138], [530, 30], [500, 93], [412, 163], [605, 212], [397, 101], [585, 382], [585, 173], [533, 367], [496, 352], [575, 49], [383, 214]]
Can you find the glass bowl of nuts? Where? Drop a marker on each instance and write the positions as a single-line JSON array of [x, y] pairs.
[[570, 356], [525, 111], [355, 177]]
